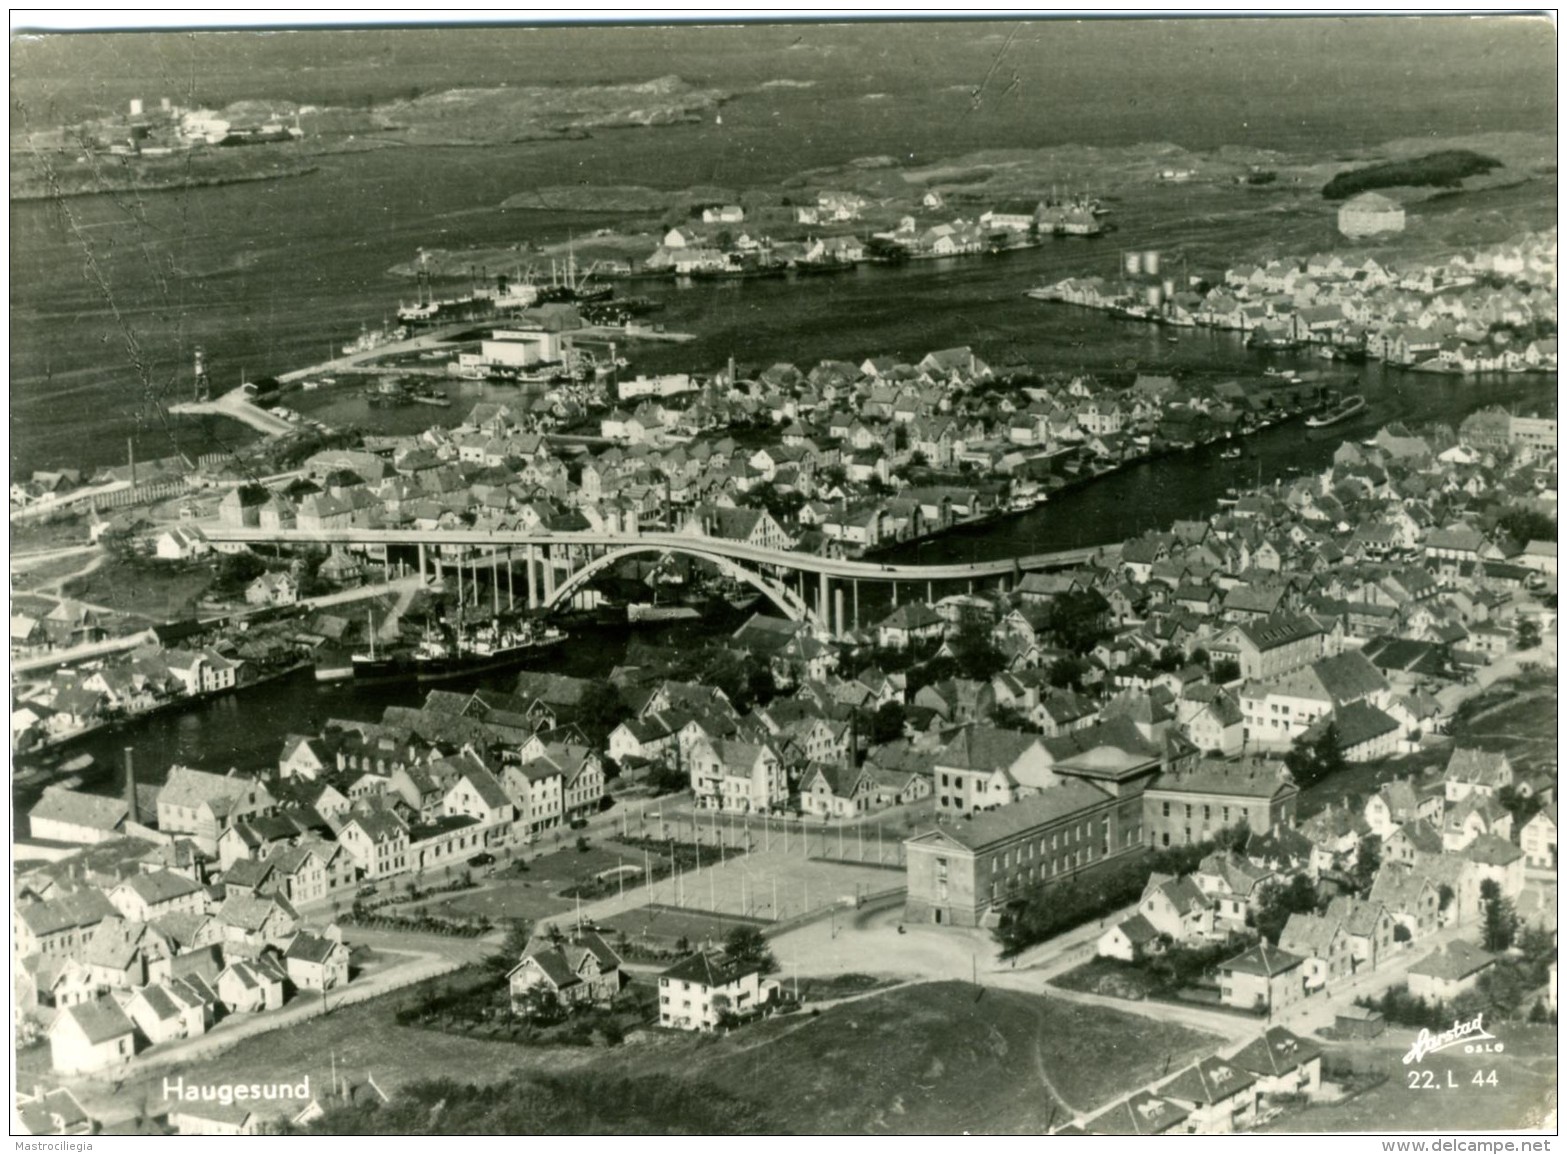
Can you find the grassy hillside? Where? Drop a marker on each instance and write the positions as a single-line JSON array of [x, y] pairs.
[[942, 1057]]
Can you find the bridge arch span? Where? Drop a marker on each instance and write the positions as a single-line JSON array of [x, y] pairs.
[[792, 605]]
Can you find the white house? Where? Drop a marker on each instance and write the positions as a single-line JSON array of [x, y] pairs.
[[695, 993]]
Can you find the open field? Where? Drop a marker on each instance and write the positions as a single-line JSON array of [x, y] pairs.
[[662, 928], [772, 885], [940, 1057], [500, 901], [160, 592], [1524, 1095]]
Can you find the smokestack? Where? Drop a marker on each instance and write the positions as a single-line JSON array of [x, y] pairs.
[[130, 786], [130, 453]]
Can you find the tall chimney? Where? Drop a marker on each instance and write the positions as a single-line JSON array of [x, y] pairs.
[[130, 453], [130, 786]]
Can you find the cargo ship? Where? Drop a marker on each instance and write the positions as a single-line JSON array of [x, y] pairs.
[[490, 647], [1342, 411]]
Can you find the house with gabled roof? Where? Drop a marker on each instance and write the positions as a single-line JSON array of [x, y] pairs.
[[1321, 941], [150, 894], [1218, 1096], [1176, 907], [1130, 940], [1409, 895], [65, 815], [251, 986], [1368, 927], [836, 791], [253, 922], [580, 969], [91, 1036], [1143, 1113], [1283, 1062], [1398, 802], [1449, 971], [317, 962], [1472, 771], [202, 805], [697, 992], [169, 1010], [1263, 978], [1233, 884], [55, 1112]]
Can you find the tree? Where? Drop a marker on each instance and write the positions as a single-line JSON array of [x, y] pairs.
[[1500, 922], [1067, 673], [599, 710], [1078, 620], [1311, 762], [1401, 933], [1011, 718], [1279, 901], [518, 936], [1528, 633], [539, 1004], [887, 722], [1368, 860], [1525, 525], [1521, 806], [747, 945], [668, 778], [238, 570], [976, 654]]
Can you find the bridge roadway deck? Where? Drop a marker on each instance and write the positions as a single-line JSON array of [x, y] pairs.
[[842, 568]]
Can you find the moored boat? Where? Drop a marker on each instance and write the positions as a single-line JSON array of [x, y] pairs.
[[1344, 410]]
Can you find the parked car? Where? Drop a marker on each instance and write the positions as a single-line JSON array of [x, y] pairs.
[[484, 858]]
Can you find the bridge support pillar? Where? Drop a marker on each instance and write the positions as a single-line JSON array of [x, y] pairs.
[[511, 597], [837, 612], [495, 582], [533, 578], [549, 572], [824, 601], [856, 584], [440, 567], [894, 595], [423, 577], [930, 592]]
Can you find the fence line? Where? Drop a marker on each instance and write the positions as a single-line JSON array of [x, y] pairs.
[[864, 844]]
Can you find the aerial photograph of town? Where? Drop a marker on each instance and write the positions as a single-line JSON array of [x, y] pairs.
[[845, 575]]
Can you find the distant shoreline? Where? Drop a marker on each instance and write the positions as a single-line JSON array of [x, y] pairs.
[[166, 186]]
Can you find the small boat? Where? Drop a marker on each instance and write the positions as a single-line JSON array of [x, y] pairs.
[[333, 666], [1231, 496], [1344, 410], [1233, 453]]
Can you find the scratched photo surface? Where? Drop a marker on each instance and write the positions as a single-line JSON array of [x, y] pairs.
[[859, 577]]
